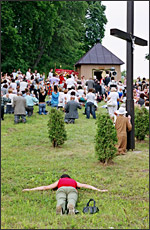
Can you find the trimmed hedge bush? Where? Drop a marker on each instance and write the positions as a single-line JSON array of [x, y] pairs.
[[56, 127], [106, 138], [141, 122]]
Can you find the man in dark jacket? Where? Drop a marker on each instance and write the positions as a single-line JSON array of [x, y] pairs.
[[71, 109], [19, 104]]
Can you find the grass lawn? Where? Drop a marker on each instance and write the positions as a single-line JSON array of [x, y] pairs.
[[28, 160]]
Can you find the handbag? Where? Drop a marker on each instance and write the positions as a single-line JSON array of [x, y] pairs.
[[90, 209]]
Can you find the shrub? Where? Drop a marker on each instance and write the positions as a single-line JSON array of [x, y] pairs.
[[106, 138], [141, 122], [56, 127]]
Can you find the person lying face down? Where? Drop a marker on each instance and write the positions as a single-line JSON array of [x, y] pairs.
[[66, 194]]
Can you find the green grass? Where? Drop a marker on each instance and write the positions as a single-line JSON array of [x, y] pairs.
[[28, 160]]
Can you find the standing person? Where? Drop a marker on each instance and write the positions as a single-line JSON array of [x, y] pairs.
[[19, 104], [23, 85], [62, 80], [112, 99], [90, 107], [107, 79], [71, 109], [55, 97], [54, 80], [66, 194], [28, 74], [42, 103], [3, 101], [36, 74], [90, 84], [13, 85], [122, 125], [83, 81], [50, 74], [30, 103]]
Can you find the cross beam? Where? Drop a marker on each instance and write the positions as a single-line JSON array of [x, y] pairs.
[[128, 37]]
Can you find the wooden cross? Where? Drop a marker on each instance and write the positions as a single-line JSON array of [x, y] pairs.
[[131, 41]]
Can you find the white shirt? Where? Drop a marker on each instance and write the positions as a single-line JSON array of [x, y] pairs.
[[61, 99], [36, 75], [90, 97], [28, 75], [50, 74], [14, 75], [70, 82], [23, 85], [80, 92], [114, 96], [14, 86]]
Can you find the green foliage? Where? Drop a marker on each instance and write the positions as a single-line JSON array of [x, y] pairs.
[[95, 22], [28, 160], [141, 122], [106, 138], [56, 127], [123, 73], [40, 34]]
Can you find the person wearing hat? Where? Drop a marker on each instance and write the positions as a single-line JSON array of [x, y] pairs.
[[122, 125]]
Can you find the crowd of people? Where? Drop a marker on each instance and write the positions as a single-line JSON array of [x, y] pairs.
[[20, 92]]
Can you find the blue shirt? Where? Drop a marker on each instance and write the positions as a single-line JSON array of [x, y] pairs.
[[30, 100], [54, 100]]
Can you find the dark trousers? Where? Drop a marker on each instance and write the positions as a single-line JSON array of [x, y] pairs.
[[90, 108], [29, 110], [17, 118], [9, 109]]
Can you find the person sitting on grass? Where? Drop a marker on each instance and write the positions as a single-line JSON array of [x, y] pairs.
[[66, 194]]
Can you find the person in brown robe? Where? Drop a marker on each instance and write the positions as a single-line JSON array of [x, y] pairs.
[[122, 125]]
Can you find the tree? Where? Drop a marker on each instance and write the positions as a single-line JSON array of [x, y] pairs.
[[38, 34], [95, 22], [141, 123], [27, 30], [56, 128], [106, 138]]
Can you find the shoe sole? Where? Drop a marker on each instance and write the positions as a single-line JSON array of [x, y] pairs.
[[71, 210], [58, 210]]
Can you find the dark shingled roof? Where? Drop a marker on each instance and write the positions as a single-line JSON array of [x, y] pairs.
[[98, 54]]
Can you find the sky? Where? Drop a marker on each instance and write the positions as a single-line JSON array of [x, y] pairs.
[[116, 13]]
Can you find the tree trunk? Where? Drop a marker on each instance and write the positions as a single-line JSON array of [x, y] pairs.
[[39, 56]]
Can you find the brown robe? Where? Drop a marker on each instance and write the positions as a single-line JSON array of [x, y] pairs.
[[122, 125]]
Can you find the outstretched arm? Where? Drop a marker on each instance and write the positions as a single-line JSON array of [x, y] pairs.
[[51, 186], [79, 185]]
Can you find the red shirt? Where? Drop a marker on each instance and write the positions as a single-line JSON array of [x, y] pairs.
[[62, 79], [67, 182]]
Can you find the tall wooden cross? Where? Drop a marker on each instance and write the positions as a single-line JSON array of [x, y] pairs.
[[131, 40]]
